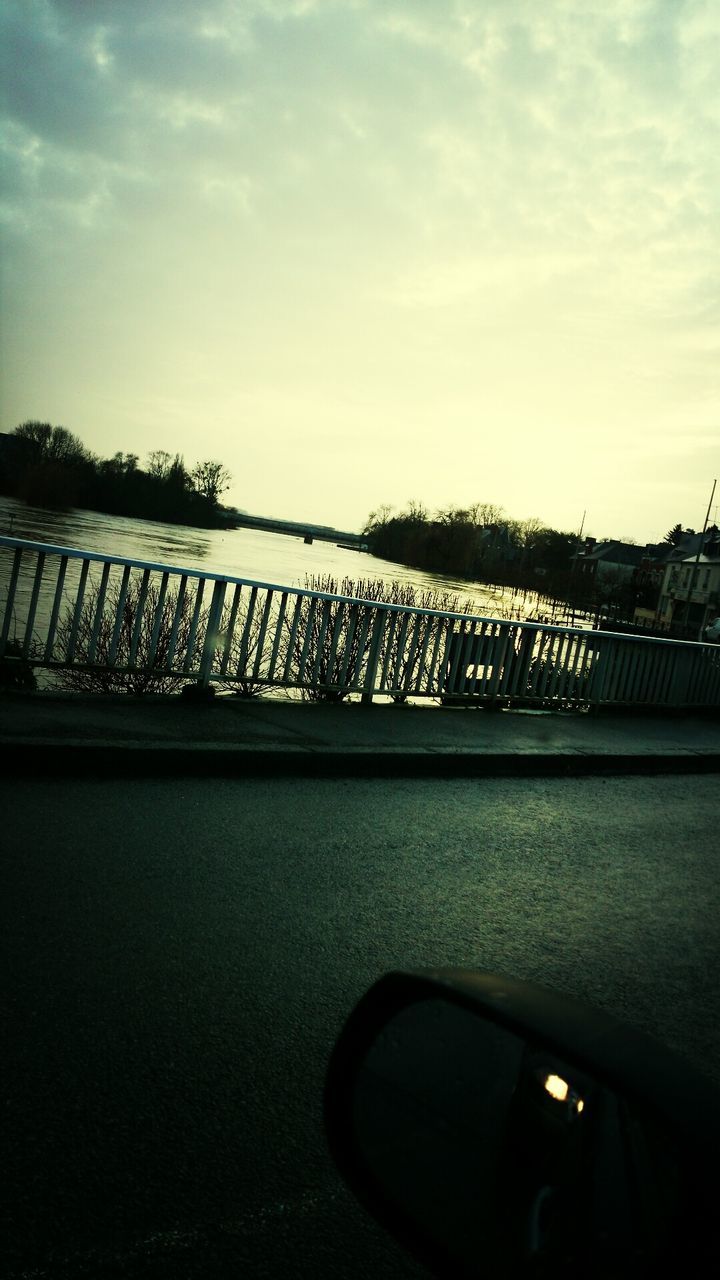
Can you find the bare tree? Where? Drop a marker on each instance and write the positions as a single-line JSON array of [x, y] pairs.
[[416, 511], [36, 433], [211, 479], [486, 513], [528, 530], [53, 444], [121, 464], [159, 464], [378, 518]]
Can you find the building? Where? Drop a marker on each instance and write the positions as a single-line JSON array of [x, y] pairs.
[[609, 563], [690, 592]]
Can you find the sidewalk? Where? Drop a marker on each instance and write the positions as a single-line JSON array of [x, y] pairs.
[[71, 734]]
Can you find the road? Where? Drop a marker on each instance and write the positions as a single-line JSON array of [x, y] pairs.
[[181, 956]]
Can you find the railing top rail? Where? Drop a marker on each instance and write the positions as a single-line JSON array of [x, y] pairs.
[[75, 553]]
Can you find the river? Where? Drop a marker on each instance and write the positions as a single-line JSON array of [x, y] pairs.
[[242, 553]]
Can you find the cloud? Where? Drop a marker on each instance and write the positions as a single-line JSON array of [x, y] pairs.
[[535, 120], [369, 202]]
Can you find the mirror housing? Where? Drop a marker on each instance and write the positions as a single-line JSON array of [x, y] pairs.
[[497, 1128]]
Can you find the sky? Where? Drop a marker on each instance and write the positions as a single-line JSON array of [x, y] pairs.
[[368, 251]]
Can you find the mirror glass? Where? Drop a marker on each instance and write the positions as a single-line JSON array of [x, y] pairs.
[[496, 1151]]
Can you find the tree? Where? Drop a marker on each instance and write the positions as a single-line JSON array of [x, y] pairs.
[[528, 531], [377, 519], [51, 466], [178, 477], [211, 479], [121, 464], [554, 550], [416, 512], [159, 464], [452, 516], [65, 448], [37, 434], [52, 444], [676, 535], [486, 513]]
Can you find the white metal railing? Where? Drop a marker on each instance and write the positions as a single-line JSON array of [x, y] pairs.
[[107, 618]]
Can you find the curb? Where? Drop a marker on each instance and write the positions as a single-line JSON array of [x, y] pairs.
[[132, 759]]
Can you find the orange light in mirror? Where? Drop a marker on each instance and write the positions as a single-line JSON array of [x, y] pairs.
[[561, 1091], [557, 1087]]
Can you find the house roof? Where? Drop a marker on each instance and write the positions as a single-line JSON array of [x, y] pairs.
[[612, 552], [690, 545], [702, 559]]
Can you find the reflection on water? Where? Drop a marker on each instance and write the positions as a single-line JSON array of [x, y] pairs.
[[242, 553], [112, 535]]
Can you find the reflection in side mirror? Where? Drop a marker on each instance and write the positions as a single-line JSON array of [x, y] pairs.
[[458, 1112], [467, 1129]]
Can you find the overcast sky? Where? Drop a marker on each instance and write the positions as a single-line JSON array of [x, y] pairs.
[[364, 251]]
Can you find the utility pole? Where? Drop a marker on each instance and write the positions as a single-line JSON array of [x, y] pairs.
[[574, 564], [701, 544]]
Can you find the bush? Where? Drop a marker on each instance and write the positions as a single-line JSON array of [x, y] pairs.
[[337, 654], [322, 640], [149, 673], [240, 675]]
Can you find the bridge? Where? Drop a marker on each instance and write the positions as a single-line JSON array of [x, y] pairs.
[[298, 529], [119, 624]]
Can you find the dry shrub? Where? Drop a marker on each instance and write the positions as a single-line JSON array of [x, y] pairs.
[[149, 673], [240, 667], [337, 652]]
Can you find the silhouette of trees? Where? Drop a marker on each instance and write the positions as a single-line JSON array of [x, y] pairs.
[[52, 444], [476, 542], [676, 535], [158, 464], [378, 518], [210, 480], [49, 466]]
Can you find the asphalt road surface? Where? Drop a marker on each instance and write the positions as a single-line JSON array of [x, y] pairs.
[[182, 955]]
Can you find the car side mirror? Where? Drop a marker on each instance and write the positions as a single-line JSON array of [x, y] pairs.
[[499, 1129]]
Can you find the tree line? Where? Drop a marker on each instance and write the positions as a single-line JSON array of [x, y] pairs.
[[477, 542], [481, 543], [48, 466]]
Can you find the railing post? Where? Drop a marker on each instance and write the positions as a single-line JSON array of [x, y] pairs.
[[9, 603], [598, 678], [680, 678], [373, 657], [212, 629]]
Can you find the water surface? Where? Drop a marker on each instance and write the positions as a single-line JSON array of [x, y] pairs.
[[243, 553]]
